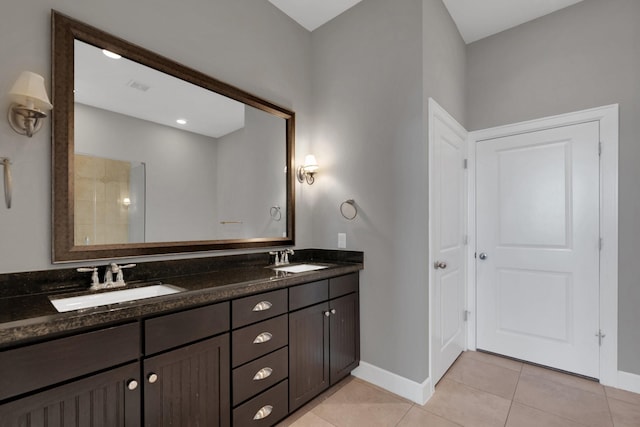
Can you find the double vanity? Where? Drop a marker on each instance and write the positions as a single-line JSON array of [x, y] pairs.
[[240, 340], [240, 343]]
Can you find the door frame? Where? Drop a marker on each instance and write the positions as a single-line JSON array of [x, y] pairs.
[[436, 111], [607, 117]]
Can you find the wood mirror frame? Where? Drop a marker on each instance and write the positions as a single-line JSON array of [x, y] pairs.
[[64, 31]]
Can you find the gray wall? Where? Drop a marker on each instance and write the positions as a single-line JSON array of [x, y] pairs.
[[248, 43], [370, 86], [584, 56], [250, 166], [181, 174]]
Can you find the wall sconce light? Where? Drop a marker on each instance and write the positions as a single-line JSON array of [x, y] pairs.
[[30, 101], [306, 172]]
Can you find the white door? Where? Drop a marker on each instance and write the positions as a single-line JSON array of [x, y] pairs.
[[538, 247], [447, 200]]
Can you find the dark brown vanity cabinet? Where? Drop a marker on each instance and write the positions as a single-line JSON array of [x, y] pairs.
[[108, 398], [182, 380], [324, 336], [250, 361], [186, 368], [259, 359]]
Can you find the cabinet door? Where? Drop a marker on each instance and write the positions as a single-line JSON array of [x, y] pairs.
[[103, 400], [189, 386], [308, 354], [344, 332]]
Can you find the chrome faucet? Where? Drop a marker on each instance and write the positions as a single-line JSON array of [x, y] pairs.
[[108, 276], [282, 257], [117, 270]]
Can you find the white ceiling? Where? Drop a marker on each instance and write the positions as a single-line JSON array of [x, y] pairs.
[[313, 13], [476, 19], [135, 90]]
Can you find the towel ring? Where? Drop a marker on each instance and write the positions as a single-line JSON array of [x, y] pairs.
[[276, 213], [351, 212], [8, 182]]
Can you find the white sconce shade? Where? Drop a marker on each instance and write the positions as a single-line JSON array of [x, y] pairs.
[[30, 101], [310, 163], [307, 172], [29, 89]]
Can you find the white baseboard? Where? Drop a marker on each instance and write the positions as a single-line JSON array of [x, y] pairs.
[[628, 381], [416, 392]]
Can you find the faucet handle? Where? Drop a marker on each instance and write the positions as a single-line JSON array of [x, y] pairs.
[[115, 268]]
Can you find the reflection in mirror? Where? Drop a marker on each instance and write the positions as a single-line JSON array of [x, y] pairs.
[[109, 200], [126, 110], [165, 159]]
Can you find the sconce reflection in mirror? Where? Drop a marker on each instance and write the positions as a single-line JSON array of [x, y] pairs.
[[30, 101], [308, 170], [348, 209]]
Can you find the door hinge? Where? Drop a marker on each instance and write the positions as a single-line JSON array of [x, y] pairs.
[[465, 240], [599, 148], [600, 243], [465, 164], [600, 336], [465, 315]]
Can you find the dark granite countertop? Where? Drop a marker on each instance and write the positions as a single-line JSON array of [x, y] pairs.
[[27, 317]]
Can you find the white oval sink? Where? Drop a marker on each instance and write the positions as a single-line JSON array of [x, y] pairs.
[[105, 298], [299, 268]]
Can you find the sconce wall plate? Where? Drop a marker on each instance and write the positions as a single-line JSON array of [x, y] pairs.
[[25, 121]]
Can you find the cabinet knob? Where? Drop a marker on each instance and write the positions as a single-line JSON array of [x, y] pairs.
[[327, 313], [263, 412], [132, 384], [262, 338], [333, 311], [262, 374], [262, 306], [152, 378]]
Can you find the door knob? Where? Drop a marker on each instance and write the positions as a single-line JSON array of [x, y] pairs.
[[440, 264], [482, 256]]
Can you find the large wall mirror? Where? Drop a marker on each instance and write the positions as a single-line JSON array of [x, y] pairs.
[[152, 157]]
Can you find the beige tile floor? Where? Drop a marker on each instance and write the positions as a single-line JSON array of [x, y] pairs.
[[479, 390]]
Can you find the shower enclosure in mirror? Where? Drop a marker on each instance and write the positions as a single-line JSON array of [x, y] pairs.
[[152, 157]]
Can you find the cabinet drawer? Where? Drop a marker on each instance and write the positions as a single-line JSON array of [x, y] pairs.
[[255, 308], [343, 285], [39, 365], [265, 409], [308, 294], [257, 340], [173, 330], [259, 375]]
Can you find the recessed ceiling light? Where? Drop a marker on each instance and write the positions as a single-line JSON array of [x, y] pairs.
[[110, 54], [181, 121]]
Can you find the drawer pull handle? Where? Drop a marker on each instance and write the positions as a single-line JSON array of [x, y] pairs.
[[132, 385], [152, 378], [262, 374], [263, 412], [262, 306], [262, 338]]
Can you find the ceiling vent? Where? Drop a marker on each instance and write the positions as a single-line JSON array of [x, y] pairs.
[[139, 86]]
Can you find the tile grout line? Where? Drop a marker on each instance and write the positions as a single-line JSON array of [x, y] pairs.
[[405, 415], [513, 396]]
